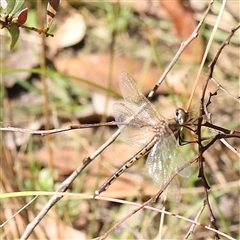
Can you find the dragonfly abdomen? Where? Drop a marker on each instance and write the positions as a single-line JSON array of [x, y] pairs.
[[128, 164]]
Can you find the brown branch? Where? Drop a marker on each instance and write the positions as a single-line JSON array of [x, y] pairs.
[[202, 112], [224, 130], [180, 51]]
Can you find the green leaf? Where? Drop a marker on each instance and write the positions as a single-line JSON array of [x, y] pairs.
[[14, 31], [17, 6]]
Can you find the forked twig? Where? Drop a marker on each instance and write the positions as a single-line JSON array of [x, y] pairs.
[[191, 229], [224, 90], [202, 112]]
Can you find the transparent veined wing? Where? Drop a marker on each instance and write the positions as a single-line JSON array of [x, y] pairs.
[[137, 113], [135, 131], [160, 169], [178, 159], [132, 95], [129, 88], [173, 190], [163, 160]]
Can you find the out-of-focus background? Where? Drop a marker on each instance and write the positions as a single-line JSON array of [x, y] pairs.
[[93, 42]]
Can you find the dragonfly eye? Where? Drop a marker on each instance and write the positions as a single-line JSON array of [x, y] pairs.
[[181, 116]]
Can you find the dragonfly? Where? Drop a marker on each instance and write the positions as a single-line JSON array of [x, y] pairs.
[[143, 127]]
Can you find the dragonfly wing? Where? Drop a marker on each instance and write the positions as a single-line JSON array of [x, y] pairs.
[[172, 150], [137, 112], [172, 190], [129, 89], [134, 130], [131, 94], [160, 169]]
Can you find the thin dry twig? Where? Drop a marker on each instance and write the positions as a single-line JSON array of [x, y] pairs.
[[202, 112], [206, 53], [191, 229], [65, 185], [235, 98], [153, 199], [183, 46], [53, 131], [22, 208]]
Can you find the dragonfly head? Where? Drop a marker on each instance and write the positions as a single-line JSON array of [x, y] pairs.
[[181, 116]]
